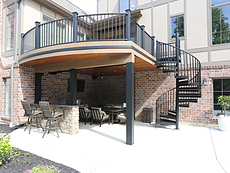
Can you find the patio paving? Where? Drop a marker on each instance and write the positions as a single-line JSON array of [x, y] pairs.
[[102, 149]]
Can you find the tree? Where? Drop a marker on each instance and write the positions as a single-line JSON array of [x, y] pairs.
[[179, 26]]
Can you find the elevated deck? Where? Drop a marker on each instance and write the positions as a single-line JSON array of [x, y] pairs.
[[88, 42]]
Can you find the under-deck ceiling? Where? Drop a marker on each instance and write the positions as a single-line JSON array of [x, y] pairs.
[[107, 61]]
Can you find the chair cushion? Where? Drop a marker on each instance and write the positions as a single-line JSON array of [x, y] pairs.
[[105, 116], [121, 116]]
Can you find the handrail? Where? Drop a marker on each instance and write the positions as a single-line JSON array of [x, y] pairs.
[[187, 70], [188, 65], [165, 102], [90, 27]]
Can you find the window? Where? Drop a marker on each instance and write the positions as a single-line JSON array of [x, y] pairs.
[[10, 27], [7, 96], [218, 2], [220, 87], [220, 21], [177, 26], [127, 4], [54, 32], [48, 32]]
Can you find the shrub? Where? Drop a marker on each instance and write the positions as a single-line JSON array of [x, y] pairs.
[[42, 169], [224, 102], [5, 148]]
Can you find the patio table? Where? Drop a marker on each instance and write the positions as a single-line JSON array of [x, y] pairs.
[[113, 110]]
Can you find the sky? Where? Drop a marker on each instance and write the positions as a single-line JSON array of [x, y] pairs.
[[89, 6]]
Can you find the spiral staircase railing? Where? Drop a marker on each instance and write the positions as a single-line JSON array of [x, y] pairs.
[[187, 71]]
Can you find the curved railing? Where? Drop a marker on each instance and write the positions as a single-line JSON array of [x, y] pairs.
[[164, 103], [187, 70], [187, 64], [94, 27]]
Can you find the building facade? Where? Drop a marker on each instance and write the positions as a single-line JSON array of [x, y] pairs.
[[202, 27]]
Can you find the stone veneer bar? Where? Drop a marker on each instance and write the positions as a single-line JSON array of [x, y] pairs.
[[70, 124]]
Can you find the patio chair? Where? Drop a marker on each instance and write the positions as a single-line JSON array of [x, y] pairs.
[[52, 117], [84, 114], [99, 115], [121, 116], [33, 116]]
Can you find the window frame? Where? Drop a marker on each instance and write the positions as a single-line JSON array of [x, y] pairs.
[[9, 39], [222, 91], [7, 96], [170, 24], [211, 22], [129, 5]]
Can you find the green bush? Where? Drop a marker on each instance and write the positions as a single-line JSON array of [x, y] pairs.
[[224, 102], [42, 169], [5, 148]]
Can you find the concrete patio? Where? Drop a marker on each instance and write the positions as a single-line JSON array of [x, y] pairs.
[[102, 149]]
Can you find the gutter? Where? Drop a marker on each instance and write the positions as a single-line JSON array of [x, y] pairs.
[[17, 4]]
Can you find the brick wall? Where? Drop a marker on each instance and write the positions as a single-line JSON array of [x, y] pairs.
[[96, 92], [149, 85], [0, 24], [202, 112], [23, 89]]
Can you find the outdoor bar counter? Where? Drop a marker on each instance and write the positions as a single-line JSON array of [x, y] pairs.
[[70, 123]]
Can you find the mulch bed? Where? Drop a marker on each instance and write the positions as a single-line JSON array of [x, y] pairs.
[[20, 160]]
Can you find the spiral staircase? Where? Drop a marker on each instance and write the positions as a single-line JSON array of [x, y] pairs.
[[187, 71]]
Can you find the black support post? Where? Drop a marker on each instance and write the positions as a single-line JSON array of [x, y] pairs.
[[153, 46], [75, 27], [37, 35], [128, 17], [130, 103], [38, 87], [22, 43], [143, 36], [73, 86], [177, 81]]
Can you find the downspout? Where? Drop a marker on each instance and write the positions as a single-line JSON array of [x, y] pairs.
[[17, 4]]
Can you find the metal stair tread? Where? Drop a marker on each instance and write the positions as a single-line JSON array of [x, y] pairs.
[[188, 100], [167, 71], [189, 95], [173, 111], [181, 77], [169, 117], [168, 58], [167, 122], [167, 62], [183, 105]]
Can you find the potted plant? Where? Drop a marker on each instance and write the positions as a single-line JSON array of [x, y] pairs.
[[224, 120]]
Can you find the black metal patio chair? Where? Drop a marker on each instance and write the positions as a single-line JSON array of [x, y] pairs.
[[34, 116], [99, 116], [84, 114], [52, 117]]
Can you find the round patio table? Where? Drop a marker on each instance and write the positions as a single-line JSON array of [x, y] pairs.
[[112, 110]]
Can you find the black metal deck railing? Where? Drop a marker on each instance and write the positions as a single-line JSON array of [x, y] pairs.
[[95, 27]]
